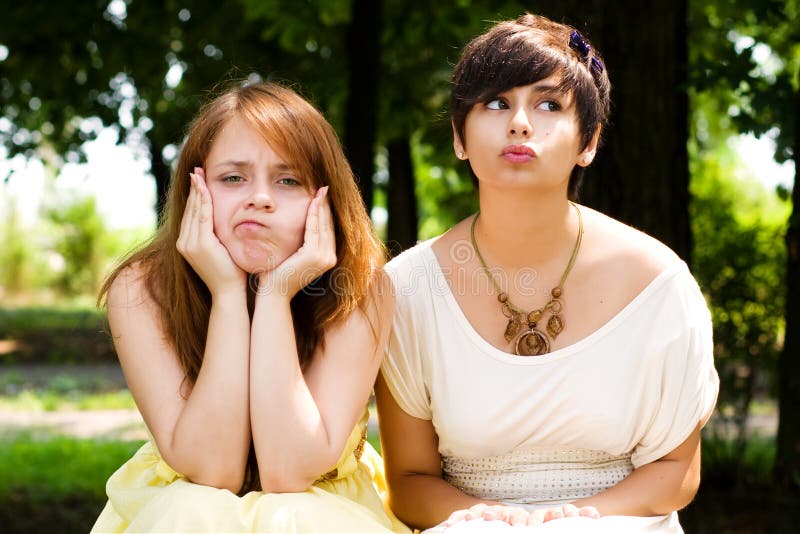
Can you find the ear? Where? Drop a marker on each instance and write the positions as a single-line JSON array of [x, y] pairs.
[[586, 156], [458, 146]]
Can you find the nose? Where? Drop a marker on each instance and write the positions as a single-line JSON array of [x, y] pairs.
[[261, 197], [520, 124]]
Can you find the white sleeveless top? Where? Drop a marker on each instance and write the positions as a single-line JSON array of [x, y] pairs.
[[553, 428]]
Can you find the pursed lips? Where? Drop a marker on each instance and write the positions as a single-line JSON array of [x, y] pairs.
[[251, 227], [518, 153]]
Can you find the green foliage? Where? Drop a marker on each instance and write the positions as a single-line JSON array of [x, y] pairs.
[[59, 467], [729, 40], [55, 335], [73, 400], [15, 253], [80, 230], [725, 464], [438, 186], [16, 322], [740, 263]]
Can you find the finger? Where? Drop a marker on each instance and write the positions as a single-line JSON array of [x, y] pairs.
[[455, 517], [325, 215], [535, 518], [570, 510], [501, 513], [553, 513], [589, 511], [186, 220], [193, 231], [517, 516], [206, 206], [311, 235]]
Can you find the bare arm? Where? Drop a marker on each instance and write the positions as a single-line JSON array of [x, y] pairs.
[[417, 493], [203, 430], [657, 488], [301, 422]]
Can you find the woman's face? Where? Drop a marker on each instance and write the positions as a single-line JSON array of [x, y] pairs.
[[526, 137], [260, 200]]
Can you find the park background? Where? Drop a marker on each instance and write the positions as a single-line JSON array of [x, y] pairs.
[[95, 97]]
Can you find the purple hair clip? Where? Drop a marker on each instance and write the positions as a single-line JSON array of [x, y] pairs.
[[577, 43], [596, 67]]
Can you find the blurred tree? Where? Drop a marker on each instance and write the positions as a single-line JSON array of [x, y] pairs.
[[141, 67], [80, 231], [16, 251], [736, 224], [748, 53]]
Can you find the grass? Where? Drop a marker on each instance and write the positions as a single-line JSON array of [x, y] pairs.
[[16, 321], [48, 401], [69, 334], [60, 388], [59, 467], [56, 484]]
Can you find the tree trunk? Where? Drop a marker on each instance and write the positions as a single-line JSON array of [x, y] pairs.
[[787, 461], [641, 175], [363, 50], [161, 173], [401, 231]]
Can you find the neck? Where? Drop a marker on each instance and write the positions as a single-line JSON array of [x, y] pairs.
[[517, 230]]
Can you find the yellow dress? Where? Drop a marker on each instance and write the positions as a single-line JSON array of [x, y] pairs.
[[146, 495]]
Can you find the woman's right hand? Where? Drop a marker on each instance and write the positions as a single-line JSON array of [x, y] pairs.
[[199, 244]]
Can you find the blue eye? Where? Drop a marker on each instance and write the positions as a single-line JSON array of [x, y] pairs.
[[496, 103]]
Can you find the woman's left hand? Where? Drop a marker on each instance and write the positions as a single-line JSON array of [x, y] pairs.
[[489, 512], [316, 256]]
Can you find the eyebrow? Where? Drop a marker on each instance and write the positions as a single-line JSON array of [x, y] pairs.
[[548, 88], [246, 164]]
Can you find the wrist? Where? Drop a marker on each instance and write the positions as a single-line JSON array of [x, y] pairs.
[[228, 295], [275, 285]]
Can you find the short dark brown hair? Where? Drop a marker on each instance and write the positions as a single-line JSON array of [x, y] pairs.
[[520, 52]]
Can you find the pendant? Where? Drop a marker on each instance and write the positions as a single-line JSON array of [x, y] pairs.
[[555, 325], [512, 328], [533, 343]]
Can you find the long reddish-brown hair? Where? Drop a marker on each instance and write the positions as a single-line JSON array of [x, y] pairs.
[[302, 136]]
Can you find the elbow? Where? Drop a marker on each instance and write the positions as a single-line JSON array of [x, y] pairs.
[[292, 478], [223, 477], [223, 481], [689, 489], [284, 482], [681, 496], [216, 475]]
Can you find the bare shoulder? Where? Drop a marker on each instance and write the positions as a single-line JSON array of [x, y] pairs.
[[624, 252], [133, 315], [382, 294], [129, 288]]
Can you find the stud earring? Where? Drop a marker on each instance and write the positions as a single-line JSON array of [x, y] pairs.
[[460, 155]]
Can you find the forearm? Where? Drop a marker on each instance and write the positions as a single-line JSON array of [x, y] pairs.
[[211, 438], [423, 501], [657, 488], [291, 441]]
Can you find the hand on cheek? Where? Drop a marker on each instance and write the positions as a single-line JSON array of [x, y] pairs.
[[199, 245]]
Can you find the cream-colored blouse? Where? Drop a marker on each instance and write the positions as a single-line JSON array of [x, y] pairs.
[[521, 429]]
